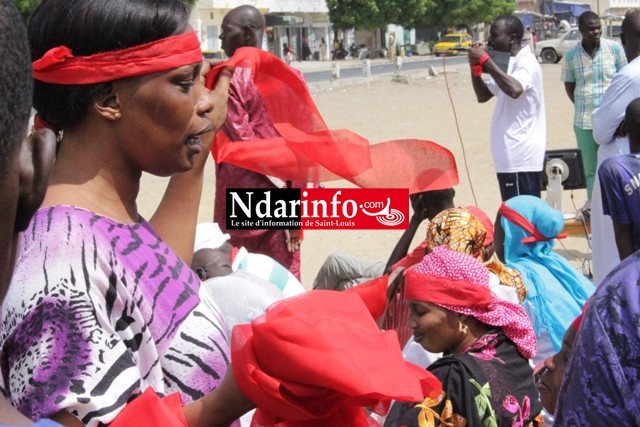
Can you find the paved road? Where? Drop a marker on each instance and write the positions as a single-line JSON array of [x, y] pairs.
[[383, 68]]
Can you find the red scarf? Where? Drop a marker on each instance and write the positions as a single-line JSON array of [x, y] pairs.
[[308, 151], [59, 66]]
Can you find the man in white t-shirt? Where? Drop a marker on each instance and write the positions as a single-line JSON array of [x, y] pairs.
[[518, 127]]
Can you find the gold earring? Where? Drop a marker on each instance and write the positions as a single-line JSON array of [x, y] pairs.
[[463, 328], [117, 115]]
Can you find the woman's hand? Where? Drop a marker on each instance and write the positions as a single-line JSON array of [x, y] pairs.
[[218, 98], [219, 94]]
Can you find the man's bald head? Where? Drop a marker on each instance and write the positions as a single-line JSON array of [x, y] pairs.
[[242, 26], [630, 35]]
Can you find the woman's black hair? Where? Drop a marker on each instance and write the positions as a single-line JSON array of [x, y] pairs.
[[15, 83], [91, 26]]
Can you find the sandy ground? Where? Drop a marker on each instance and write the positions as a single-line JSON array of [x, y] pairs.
[[443, 109]]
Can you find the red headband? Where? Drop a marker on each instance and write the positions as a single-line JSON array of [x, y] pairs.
[[442, 291], [519, 220], [59, 66]]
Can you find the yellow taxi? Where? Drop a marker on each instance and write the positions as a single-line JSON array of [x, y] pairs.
[[452, 44]]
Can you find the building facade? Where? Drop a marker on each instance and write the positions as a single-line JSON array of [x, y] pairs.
[[301, 24]]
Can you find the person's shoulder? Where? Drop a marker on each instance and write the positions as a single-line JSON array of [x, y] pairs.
[[574, 52], [527, 60], [629, 72], [62, 227], [609, 168], [611, 44], [452, 366]]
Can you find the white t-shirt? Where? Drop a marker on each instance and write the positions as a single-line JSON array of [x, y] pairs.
[[519, 126]]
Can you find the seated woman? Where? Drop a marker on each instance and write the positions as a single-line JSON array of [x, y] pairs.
[[526, 227], [485, 373], [465, 230]]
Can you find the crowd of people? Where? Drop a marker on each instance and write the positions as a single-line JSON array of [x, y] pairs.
[[112, 319]]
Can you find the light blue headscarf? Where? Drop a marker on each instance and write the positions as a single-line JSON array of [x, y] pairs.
[[556, 291]]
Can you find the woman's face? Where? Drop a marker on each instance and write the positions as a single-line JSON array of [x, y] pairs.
[[549, 378], [436, 329], [163, 119]]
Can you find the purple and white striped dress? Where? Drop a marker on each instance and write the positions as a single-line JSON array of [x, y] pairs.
[[97, 312]]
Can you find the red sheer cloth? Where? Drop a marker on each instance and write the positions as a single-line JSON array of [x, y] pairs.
[[149, 410], [308, 151], [317, 359]]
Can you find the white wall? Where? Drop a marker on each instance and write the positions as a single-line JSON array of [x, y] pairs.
[[308, 6]]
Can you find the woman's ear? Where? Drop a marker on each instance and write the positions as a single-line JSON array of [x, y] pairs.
[[37, 154], [108, 106]]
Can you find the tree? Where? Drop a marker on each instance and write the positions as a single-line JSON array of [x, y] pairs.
[[370, 14], [360, 14], [451, 13]]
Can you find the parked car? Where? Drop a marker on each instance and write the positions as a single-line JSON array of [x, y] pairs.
[[552, 50], [452, 44]]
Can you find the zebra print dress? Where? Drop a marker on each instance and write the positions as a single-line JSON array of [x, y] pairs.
[[97, 312]]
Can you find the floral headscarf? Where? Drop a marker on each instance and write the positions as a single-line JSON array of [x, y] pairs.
[[462, 231]]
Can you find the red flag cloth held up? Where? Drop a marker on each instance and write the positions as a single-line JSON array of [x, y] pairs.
[[308, 151], [318, 359]]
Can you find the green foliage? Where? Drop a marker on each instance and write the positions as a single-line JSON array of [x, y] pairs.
[[451, 13], [369, 14], [360, 14], [26, 7]]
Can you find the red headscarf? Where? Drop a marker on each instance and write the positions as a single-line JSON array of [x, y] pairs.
[[460, 283], [316, 359], [308, 151]]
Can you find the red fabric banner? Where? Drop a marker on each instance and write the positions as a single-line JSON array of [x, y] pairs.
[[308, 151], [318, 359]]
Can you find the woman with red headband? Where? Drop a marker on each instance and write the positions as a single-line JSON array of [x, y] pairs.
[[487, 342], [103, 304], [104, 315], [526, 228]]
